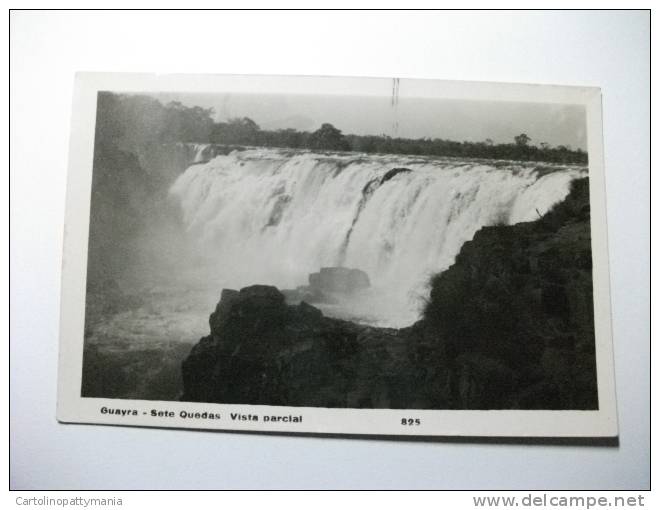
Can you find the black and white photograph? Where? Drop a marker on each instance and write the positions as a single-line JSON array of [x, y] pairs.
[[386, 250]]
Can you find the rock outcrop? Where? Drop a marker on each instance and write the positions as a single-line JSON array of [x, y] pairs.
[[329, 285], [508, 326], [511, 322], [339, 280], [263, 351], [391, 173]]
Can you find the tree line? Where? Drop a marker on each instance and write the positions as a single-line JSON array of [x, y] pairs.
[[244, 131], [141, 120], [133, 121]]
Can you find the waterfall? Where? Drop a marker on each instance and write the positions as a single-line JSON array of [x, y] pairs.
[[274, 216], [200, 152]]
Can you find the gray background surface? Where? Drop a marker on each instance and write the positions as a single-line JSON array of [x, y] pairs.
[[610, 50]]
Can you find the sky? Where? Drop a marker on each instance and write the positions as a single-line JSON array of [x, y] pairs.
[[460, 120]]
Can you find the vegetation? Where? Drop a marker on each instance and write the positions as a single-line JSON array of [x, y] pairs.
[[136, 121], [327, 137]]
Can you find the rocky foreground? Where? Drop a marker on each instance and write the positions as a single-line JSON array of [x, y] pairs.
[[508, 326]]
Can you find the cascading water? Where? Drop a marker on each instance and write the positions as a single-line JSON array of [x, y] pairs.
[[200, 150], [195, 152], [274, 216]]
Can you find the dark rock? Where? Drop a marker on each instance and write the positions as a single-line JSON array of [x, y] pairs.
[[391, 173], [338, 280], [227, 299], [519, 301], [309, 295], [555, 300], [262, 351], [328, 286], [308, 310]]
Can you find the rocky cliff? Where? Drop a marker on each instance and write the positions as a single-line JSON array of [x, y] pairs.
[[508, 326], [511, 322], [263, 351]]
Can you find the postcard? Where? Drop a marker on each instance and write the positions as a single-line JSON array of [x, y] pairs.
[[327, 255]]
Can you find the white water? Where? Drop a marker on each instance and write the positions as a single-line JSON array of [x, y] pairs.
[[199, 150], [274, 216]]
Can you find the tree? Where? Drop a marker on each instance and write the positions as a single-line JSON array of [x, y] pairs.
[[186, 124], [522, 140], [328, 137], [241, 130]]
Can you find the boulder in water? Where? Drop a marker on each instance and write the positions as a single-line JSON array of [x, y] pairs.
[[341, 280], [329, 285]]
